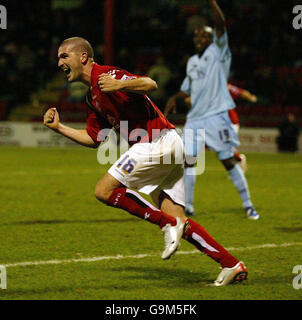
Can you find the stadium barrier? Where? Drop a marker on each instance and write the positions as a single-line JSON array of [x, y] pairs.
[[37, 135], [33, 135]]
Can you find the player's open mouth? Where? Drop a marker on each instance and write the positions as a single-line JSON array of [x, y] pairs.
[[67, 70]]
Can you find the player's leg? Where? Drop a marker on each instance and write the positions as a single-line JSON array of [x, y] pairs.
[[112, 193], [239, 180], [166, 204], [197, 235], [222, 138], [172, 233], [236, 166], [190, 181], [232, 269], [193, 143], [141, 168], [105, 186]]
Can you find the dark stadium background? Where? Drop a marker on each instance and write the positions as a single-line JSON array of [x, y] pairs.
[[267, 55]]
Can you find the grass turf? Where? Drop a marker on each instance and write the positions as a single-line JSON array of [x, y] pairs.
[[48, 211]]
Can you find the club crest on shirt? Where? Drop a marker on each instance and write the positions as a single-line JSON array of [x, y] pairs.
[[125, 77], [113, 72]]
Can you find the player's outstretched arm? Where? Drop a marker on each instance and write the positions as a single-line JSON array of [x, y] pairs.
[[245, 94], [219, 19], [142, 85], [188, 102], [171, 103], [52, 121]]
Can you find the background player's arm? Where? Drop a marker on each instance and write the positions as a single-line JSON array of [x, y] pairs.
[[248, 96], [237, 92], [188, 102], [219, 19], [141, 85], [171, 104], [52, 121]]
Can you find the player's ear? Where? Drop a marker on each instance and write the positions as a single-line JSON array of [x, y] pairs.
[[84, 58]]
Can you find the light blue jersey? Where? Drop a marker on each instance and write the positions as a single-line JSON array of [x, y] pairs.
[[206, 80]]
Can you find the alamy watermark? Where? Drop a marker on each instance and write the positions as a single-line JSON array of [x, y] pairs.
[[297, 281], [3, 17], [163, 150], [297, 21], [3, 278]]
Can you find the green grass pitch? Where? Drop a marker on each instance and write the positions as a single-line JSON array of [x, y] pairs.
[[48, 212]]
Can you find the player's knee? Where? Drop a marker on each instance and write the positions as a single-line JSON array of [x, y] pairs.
[[101, 193], [229, 164], [190, 161], [187, 165], [170, 207]]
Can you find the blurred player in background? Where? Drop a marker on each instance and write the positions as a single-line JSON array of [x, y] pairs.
[[206, 84], [236, 93], [116, 95]]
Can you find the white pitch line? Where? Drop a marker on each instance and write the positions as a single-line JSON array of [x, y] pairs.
[[139, 256]]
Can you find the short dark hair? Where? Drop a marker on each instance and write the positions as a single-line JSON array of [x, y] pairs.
[[80, 44]]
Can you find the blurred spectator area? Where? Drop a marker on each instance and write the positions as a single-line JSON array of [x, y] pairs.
[[155, 38]]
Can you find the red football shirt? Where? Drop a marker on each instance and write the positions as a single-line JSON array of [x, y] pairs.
[[234, 91], [107, 110]]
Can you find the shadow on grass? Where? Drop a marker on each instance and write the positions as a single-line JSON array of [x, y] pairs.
[[62, 221], [151, 278], [238, 210], [289, 229], [25, 294], [165, 277], [216, 212]]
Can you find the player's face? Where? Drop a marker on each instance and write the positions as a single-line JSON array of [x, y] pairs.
[[70, 63], [202, 39]]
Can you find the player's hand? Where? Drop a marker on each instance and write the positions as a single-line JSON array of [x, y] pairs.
[[51, 119], [108, 84], [188, 102], [171, 105], [253, 98]]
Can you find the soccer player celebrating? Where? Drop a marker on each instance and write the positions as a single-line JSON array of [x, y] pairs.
[[117, 96], [206, 84]]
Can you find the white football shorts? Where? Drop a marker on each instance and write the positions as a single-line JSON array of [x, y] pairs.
[[154, 167]]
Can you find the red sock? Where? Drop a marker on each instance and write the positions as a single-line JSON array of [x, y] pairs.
[[132, 202], [135, 204], [203, 241], [237, 156]]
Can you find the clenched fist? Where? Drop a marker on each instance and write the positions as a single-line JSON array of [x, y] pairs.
[[51, 119], [107, 83]]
